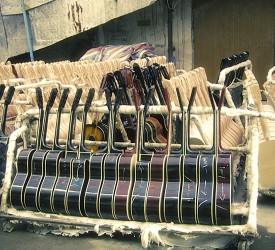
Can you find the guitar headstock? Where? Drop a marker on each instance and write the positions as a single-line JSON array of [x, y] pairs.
[[213, 106], [63, 99], [128, 76], [39, 97], [118, 99], [221, 98], [164, 72], [77, 98], [89, 99], [2, 89], [111, 82], [9, 95], [51, 99], [108, 99], [102, 86], [148, 99], [136, 102]]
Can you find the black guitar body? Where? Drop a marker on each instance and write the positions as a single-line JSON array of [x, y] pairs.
[[93, 185], [141, 177], [173, 188], [205, 205], [62, 185], [75, 195], [23, 172], [37, 175], [189, 190], [156, 189], [45, 194], [124, 187], [223, 189], [108, 186]]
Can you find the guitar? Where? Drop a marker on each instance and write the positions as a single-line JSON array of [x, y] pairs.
[[173, 171], [153, 128], [51, 163], [109, 170], [121, 202], [23, 163], [206, 181], [4, 139], [75, 193], [188, 200], [65, 164], [223, 177], [97, 131], [2, 90], [141, 169], [139, 76], [91, 194], [156, 187], [38, 161]]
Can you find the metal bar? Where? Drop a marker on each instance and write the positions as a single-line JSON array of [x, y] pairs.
[[28, 29]]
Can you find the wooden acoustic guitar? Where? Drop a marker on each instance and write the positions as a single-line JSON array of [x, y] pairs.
[[173, 172], [109, 169], [65, 164], [24, 161], [91, 194], [124, 182], [97, 131], [156, 186], [223, 176], [45, 193], [141, 169], [75, 193], [38, 161], [188, 200], [206, 180]]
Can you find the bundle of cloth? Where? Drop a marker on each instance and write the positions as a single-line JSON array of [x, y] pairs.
[[120, 52]]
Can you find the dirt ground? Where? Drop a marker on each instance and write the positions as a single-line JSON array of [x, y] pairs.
[[21, 239]]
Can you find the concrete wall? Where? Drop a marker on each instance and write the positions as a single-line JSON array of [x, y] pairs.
[[150, 25], [54, 20]]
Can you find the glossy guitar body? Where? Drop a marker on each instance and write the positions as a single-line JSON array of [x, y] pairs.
[[154, 203], [37, 175], [75, 194], [141, 182], [45, 194], [173, 188], [124, 187], [189, 190], [95, 132], [62, 184], [93, 185], [205, 197], [23, 172], [106, 203], [223, 189]]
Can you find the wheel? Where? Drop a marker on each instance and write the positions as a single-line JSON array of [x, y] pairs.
[[8, 226]]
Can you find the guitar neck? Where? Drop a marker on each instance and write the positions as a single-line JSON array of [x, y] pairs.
[[82, 147], [39, 129], [8, 99], [3, 122], [69, 145], [56, 145]]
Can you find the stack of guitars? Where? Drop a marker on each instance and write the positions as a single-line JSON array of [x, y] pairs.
[[134, 181]]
